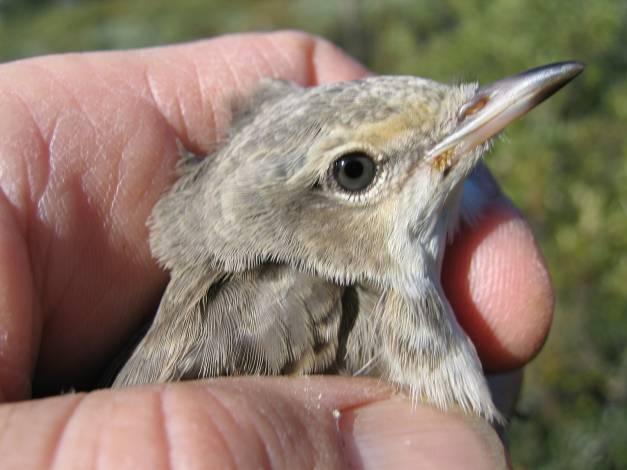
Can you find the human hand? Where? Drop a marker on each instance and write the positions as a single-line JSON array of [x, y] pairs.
[[87, 145]]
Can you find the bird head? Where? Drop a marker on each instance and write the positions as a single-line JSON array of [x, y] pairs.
[[354, 181]]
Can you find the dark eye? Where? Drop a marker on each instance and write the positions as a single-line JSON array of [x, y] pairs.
[[354, 171]]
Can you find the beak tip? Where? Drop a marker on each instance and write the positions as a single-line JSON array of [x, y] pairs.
[[561, 72], [572, 68]]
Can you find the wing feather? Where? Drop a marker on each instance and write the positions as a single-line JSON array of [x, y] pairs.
[[272, 320]]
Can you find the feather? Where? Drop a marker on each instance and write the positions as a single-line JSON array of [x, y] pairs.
[[271, 320]]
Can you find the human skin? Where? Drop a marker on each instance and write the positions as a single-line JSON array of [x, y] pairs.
[[87, 145]]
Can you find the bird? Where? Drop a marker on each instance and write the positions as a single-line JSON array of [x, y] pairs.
[[311, 241]]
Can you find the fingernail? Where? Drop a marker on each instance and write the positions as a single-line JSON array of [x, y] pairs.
[[394, 434]]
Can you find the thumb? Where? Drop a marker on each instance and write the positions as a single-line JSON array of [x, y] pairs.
[[392, 434]]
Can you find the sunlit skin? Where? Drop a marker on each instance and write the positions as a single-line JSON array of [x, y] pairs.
[[87, 145]]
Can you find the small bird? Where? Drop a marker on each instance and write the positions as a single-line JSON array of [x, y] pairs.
[[312, 240]]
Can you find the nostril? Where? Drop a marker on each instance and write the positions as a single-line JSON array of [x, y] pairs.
[[473, 107]]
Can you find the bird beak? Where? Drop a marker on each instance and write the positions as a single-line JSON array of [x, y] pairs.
[[493, 107]]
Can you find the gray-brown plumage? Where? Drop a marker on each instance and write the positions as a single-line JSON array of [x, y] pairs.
[[312, 241]]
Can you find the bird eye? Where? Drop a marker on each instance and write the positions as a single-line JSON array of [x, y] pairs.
[[354, 171]]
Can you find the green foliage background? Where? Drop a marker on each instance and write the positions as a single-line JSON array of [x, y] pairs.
[[565, 165]]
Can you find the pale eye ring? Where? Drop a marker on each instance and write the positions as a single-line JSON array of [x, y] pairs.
[[354, 172]]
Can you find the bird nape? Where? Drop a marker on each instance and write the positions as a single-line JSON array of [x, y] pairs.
[[312, 241]]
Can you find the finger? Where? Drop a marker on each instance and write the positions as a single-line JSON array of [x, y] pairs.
[[244, 423], [87, 145], [17, 333], [496, 280]]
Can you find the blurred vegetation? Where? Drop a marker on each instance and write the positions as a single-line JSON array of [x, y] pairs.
[[565, 165]]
